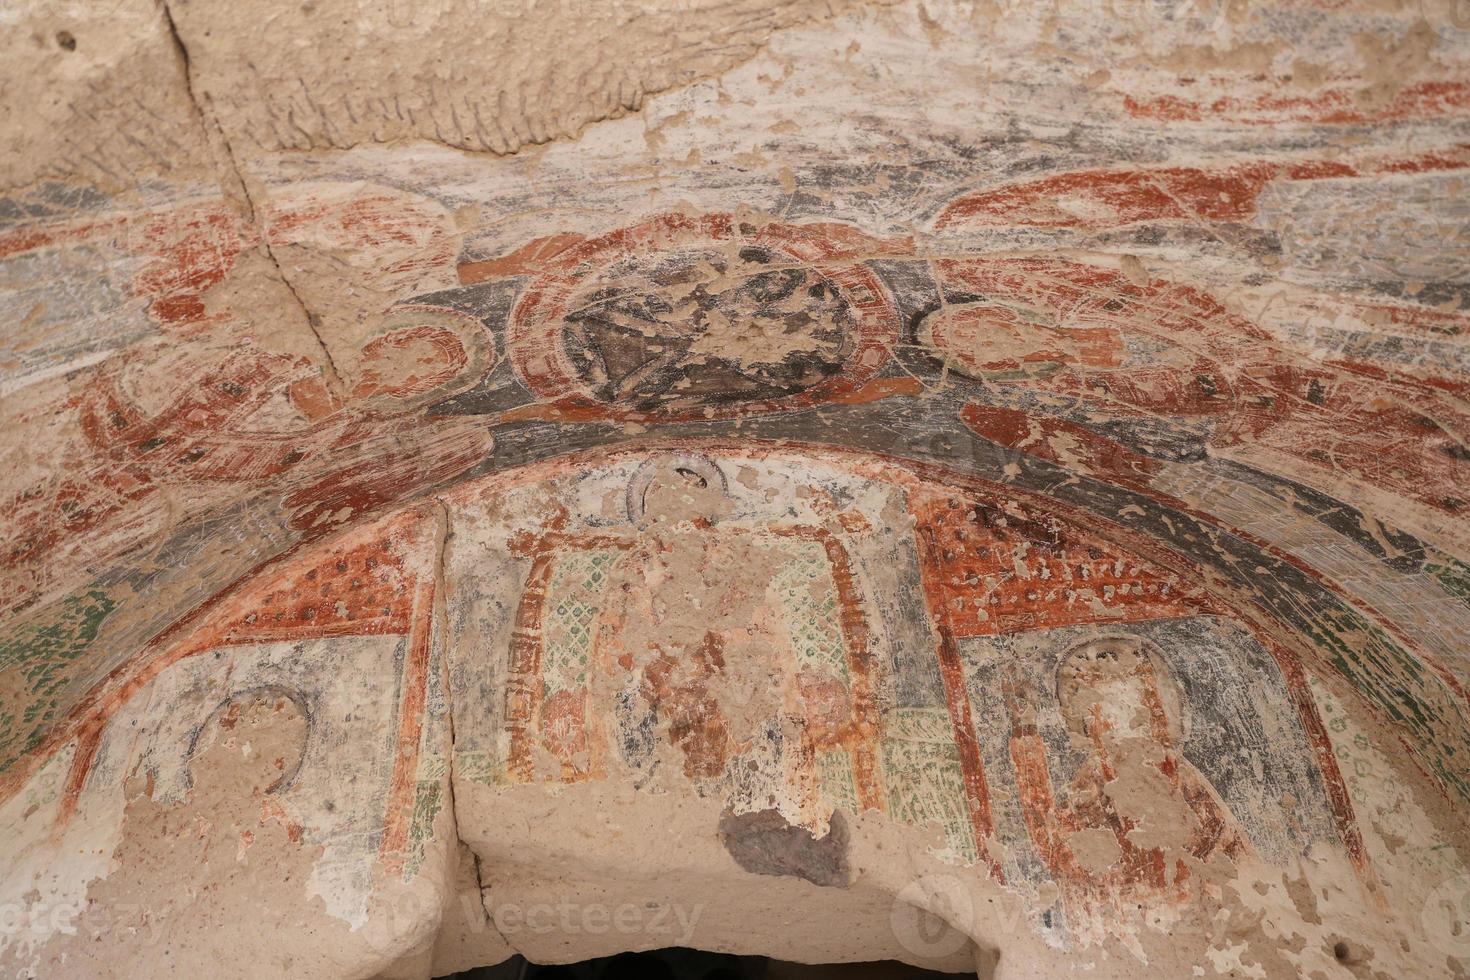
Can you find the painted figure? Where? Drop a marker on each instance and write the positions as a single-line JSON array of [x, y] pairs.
[[760, 676], [1095, 343], [235, 421], [1136, 814]]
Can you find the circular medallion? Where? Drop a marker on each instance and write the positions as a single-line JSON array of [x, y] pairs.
[[421, 354], [684, 318]]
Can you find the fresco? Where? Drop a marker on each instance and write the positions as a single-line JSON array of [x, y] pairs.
[[337, 646], [944, 725], [687, 318], [627, 648], [1030, 444], [939, 720]]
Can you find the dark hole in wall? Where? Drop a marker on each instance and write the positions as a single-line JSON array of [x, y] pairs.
[[677, 963]]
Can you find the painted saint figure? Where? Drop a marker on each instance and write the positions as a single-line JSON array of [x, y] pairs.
[[1137, 814], [168, 433], [644, 643], [1089, 341]]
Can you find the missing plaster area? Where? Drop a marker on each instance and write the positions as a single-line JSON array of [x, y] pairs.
[[765, 843]]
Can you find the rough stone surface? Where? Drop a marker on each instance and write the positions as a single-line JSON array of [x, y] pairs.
[[980, 484], [764, 843]]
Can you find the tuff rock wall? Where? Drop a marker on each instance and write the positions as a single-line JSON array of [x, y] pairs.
[[981, 484]]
